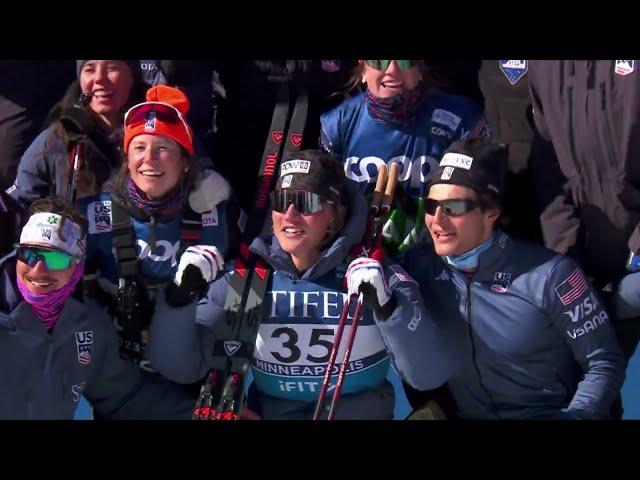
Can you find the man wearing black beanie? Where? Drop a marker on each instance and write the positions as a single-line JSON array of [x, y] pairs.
[[533, 338]]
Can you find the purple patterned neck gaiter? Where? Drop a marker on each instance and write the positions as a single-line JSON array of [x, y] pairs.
[[171, 203], [48, 306], [398, 109]]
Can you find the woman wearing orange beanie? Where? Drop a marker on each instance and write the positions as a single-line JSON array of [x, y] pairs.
[[143, 229]]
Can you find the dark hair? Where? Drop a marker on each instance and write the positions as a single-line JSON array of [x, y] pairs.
[[72, 96], [490, 201], [59, 206], [331, 163], [88, 183]]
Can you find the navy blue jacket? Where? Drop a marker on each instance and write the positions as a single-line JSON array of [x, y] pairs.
[[45, 373], [534, 340], [44, 167]]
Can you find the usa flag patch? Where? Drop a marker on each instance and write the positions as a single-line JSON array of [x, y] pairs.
[[572, 288], [399, 272], [84, 345]]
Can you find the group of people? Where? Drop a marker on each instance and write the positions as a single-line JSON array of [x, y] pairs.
[[126, 238]]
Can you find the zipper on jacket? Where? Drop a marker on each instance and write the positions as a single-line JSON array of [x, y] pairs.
[[473, 354], [607, 130]]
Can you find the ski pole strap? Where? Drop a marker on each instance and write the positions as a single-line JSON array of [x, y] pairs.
[[124, 241], [75, 163]]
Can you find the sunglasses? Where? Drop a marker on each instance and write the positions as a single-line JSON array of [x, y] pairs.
[[384, 64], [454, 207], [307, 203], [53, 259], [149, 111]]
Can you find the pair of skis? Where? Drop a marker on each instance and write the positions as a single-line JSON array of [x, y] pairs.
[[371, 247], [222, 394]]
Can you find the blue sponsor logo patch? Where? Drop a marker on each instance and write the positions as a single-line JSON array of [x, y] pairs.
[[514, 70]]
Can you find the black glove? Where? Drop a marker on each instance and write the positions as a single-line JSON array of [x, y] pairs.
[[193, 287], [77, 123]]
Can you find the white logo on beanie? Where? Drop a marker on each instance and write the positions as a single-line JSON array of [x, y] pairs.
[[150, 124], [295, 166], [456, 160], [43, 229], [446, 173], [286, 181]]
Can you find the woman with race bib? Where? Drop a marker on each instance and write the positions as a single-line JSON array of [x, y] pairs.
[[317, 217]]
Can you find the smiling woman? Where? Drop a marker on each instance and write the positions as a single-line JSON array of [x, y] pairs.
[[90, 112], [146, 208], [400, 119], [317, 218]]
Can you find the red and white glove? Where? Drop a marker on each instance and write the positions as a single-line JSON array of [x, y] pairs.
[[205, 257], [363, 271]]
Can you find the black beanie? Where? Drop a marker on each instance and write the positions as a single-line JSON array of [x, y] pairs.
[[477, 163]]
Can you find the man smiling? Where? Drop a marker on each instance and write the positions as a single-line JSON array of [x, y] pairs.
[[54, 348], [534, 340]]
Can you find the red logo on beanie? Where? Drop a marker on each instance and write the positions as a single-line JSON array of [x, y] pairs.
[[296, 139], [277, 137]]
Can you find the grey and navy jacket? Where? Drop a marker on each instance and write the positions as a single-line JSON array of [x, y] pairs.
[[589, 110], [45, 373], [299, 318], [44, 166], [533, 338]]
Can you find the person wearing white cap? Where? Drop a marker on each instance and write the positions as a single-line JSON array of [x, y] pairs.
[[55, 349]]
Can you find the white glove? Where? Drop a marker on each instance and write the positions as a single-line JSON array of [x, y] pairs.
[[210, 189], [367, 270], [207, 258]]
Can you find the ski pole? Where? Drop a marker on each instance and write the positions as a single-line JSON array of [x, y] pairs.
[[72, 184], [347, 355], [332, 359]]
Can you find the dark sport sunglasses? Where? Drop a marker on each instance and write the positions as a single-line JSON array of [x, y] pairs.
[[384, 64], [53, 259], [307, 203], [453, 207]]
